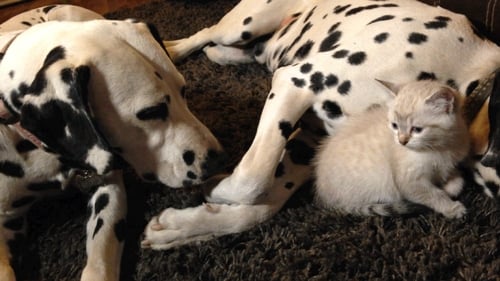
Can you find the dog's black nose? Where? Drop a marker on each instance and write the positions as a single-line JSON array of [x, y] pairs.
[[214, 162]]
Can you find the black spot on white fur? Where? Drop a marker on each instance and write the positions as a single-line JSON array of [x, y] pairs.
[[246, 35], [300, 152], [340, 9], [340, 54], [191, 175], [331, 80], [426, 76], [247, 20], [11, 169], [101, 203], [382, 18], [188, 157], [329, 43], [344, 88], [286, 129], [98, 227], [417, 38], [357, 58], [299, 83], [332, 109], [381, 38], [357, 10], [309, 15], [48, 8], [306, 68], [24, 146], [304, 50], [438, 23], [317, 82]]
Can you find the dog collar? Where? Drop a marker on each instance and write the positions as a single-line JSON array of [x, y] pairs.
[[478, 97]]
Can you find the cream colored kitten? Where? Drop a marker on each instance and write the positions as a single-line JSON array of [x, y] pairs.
[[387, 158]]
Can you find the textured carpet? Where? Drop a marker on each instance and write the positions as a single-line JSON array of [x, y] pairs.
[[300, 243]]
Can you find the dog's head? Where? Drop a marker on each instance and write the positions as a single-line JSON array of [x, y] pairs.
[[103, 91]]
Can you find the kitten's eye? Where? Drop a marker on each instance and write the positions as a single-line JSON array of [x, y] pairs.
[[394, 126], [416, 129]]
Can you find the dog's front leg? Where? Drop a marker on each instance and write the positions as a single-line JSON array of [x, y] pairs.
[[287, 102], [105, 230]]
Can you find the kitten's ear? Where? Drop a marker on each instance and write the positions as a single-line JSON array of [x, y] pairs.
[[442, 100], [393, 88]]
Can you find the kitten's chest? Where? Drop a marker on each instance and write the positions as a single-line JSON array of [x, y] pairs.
[[431, 165]]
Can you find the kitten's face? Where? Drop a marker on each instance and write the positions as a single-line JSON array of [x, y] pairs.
[[422, 115], [413, 132]]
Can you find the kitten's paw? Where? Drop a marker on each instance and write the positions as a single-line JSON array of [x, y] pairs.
[[456, 210], [454, 186]]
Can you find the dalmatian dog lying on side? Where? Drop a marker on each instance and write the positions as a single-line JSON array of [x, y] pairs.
[[325, 57], [81, 92]]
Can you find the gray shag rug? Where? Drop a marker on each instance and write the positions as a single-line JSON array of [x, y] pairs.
[[301, 242]]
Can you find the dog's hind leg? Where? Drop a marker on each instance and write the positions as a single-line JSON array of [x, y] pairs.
[[244, 23], [105, 230]]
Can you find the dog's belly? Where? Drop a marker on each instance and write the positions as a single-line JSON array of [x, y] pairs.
[[389, 40]]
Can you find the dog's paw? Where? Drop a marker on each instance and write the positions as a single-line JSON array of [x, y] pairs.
[[176, 227], [225, 55]]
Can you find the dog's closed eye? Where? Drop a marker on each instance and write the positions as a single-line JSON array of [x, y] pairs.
[[159, 111]]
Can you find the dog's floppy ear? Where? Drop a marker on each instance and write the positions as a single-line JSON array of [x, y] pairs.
[[55, 110]]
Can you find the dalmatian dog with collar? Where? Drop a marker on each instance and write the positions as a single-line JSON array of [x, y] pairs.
[[325, 57], [81, 92]]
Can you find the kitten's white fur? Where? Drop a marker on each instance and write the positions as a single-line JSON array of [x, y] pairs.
[[386, 159]]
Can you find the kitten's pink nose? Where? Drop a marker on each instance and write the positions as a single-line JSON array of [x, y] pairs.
[[403, 139]]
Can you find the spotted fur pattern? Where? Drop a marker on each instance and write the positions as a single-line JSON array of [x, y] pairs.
[[325, 57], [71, 100]]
